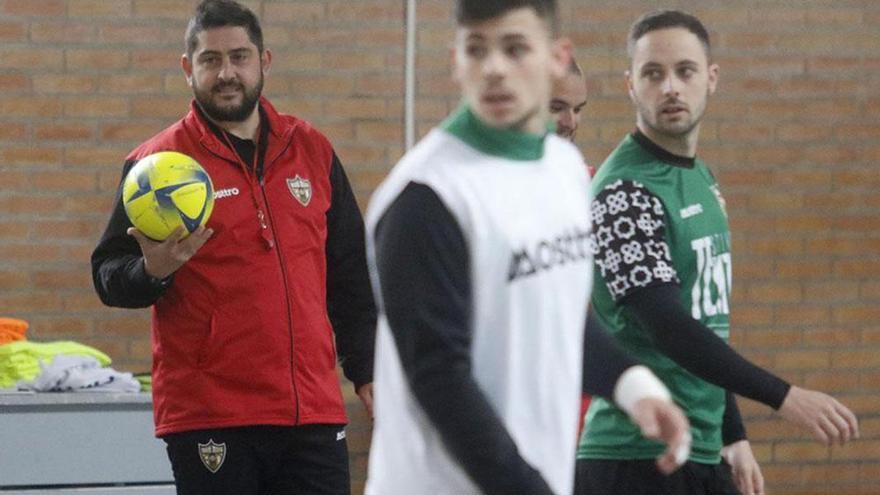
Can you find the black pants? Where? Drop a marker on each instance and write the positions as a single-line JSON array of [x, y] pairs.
[[261, 460], [607, 477]]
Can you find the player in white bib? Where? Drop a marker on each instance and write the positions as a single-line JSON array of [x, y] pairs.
[[479, 256]]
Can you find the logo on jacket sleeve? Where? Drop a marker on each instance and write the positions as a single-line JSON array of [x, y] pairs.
[[301, 189], [212, 455]]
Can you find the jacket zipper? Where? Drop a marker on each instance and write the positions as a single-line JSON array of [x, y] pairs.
[[272, 242], [281, 262]]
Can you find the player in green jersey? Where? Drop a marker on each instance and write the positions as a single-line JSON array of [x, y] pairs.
[[663, 273]]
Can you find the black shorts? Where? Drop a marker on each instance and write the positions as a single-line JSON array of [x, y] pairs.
[[261, 460], [641, 477]]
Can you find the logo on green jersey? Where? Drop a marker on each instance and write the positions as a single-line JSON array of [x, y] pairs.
[[710, 293]]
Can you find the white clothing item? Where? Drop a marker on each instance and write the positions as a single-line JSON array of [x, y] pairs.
[[526, 225], [73, 373]]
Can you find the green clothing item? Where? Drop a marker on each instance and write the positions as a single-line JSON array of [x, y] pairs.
[[21, 360], [507, 143], [658, 220]]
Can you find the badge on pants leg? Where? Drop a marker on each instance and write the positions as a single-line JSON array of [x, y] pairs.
[[212, 455]]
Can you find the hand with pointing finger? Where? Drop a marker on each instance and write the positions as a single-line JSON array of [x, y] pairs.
[[161, 259]]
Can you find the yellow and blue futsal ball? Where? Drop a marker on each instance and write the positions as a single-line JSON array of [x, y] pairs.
[[166, 190]]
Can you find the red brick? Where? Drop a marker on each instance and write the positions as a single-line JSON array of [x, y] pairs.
[[30, 253], [803, 315], [30, 204], [355, 108], [751, 315], [157, 60], [834, 473], [853, 268], [30, 107], [74, 229], [858, 132], [13, 31], [64, 83], [131, 84], [105, 156], [165, 107], [380, 132], [57, 279], [130, 34], [31, 58], [12, 132], [360, 61], [321, 84], [767, 339], [301, 12], [82, 301], [863, 450], [48, 8], [63, 132], [65, 181], [773, 246], [96, 59], [99, 8], [833, 382], [297, 60], [10, 83], [163, 9], [800, 452], [386, 84], [359, 154], [130, 325], [130, 131], [63, 33], [61, 328], [831, 337], [855, 314], [858, 359], [802, 223], [14, 280], [31, 301], [30, 156], [101, 107], [803, 133], [802, 360]]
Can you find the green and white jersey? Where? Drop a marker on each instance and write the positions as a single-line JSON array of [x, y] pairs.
[[658, 219]]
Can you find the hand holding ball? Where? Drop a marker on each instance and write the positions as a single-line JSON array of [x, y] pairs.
[[167, 190]]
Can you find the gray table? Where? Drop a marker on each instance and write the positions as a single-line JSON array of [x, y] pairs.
[[82, 443]]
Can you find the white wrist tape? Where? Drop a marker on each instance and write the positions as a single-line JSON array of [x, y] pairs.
[[635, 384]]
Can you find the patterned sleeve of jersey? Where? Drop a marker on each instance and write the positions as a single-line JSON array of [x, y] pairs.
[[628, 241]]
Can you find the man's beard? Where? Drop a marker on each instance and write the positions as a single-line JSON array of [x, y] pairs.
[[237, 113]]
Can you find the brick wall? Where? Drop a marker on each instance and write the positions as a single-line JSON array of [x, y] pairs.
[[792, 134]]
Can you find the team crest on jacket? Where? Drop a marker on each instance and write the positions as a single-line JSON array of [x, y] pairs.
[[212, 455], [301, 189]]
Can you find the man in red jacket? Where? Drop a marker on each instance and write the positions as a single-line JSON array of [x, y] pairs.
[[250, 311]]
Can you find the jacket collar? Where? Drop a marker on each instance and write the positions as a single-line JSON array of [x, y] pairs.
[[280, 132]]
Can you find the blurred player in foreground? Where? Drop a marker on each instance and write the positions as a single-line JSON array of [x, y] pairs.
[[478, 246]]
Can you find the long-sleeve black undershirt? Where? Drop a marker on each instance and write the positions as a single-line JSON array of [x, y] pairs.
[[423, 264]]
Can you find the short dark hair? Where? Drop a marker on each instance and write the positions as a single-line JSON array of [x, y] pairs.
[[468, 12], [665, 19], [222, 13]]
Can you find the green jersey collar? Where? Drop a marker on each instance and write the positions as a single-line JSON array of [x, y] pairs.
[[505, 143]]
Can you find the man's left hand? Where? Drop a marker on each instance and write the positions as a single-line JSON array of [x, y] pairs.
[[746, 472]]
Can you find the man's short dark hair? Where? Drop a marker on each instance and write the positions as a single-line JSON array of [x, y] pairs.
[[665, 19], [222, 13], [468, 12]]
